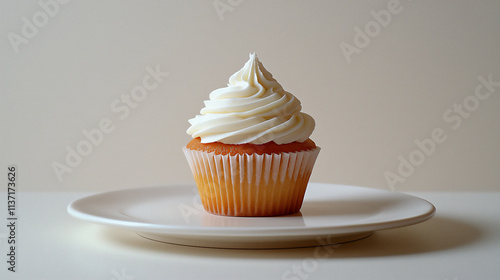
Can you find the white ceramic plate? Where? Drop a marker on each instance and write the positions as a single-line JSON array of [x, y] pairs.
[[330, 214]]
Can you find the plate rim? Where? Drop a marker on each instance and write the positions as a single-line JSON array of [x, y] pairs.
[[187, 230]]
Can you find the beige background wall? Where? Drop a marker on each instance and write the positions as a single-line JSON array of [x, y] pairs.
[[378, 76]]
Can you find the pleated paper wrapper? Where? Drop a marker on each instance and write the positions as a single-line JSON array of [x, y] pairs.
[[252, 185]]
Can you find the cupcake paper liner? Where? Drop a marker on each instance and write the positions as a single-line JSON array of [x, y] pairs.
[[252, 184]]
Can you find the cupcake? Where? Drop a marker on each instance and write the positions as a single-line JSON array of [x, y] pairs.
[[251, 154]]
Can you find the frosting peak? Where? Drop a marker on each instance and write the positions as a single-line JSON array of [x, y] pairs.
[[253, 108]]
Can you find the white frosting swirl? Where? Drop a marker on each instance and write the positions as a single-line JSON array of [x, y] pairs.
[[254, 109]]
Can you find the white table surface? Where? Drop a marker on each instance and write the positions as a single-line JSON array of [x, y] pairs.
[[462, 241]]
